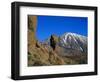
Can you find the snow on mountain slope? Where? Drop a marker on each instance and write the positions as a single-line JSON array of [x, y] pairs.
[[74, 41]]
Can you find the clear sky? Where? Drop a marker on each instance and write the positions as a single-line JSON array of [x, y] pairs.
[[58, 25]]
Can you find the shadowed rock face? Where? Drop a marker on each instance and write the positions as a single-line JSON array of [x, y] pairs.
[[53, 41]]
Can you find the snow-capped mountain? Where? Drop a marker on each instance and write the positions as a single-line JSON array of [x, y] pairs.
[[74, 41]]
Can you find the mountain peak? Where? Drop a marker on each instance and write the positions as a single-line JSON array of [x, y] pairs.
[[74, 41], [70, 40], [73, 34], [70, 33]]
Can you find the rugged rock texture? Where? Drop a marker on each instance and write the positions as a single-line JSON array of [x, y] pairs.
[[32, 21], [54, 41], [40, 54]]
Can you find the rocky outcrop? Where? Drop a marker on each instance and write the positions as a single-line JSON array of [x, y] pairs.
[[54, 41], [40, 54], [32, 22]]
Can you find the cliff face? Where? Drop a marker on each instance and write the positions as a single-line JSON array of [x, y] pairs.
[[32, 22], [39, 54]]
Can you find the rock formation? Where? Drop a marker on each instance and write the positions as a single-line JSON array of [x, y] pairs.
[[40, 54]]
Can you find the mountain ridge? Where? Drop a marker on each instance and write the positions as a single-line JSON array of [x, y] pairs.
[[71, 40], [74, 41]]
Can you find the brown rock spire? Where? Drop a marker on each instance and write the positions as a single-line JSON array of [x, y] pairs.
[[32, 22]]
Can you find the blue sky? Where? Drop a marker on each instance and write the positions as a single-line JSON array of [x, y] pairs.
[[58, 25]]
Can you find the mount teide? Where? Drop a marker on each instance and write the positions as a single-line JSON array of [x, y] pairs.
[[70, 46], [74, 41], [70, 42]]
